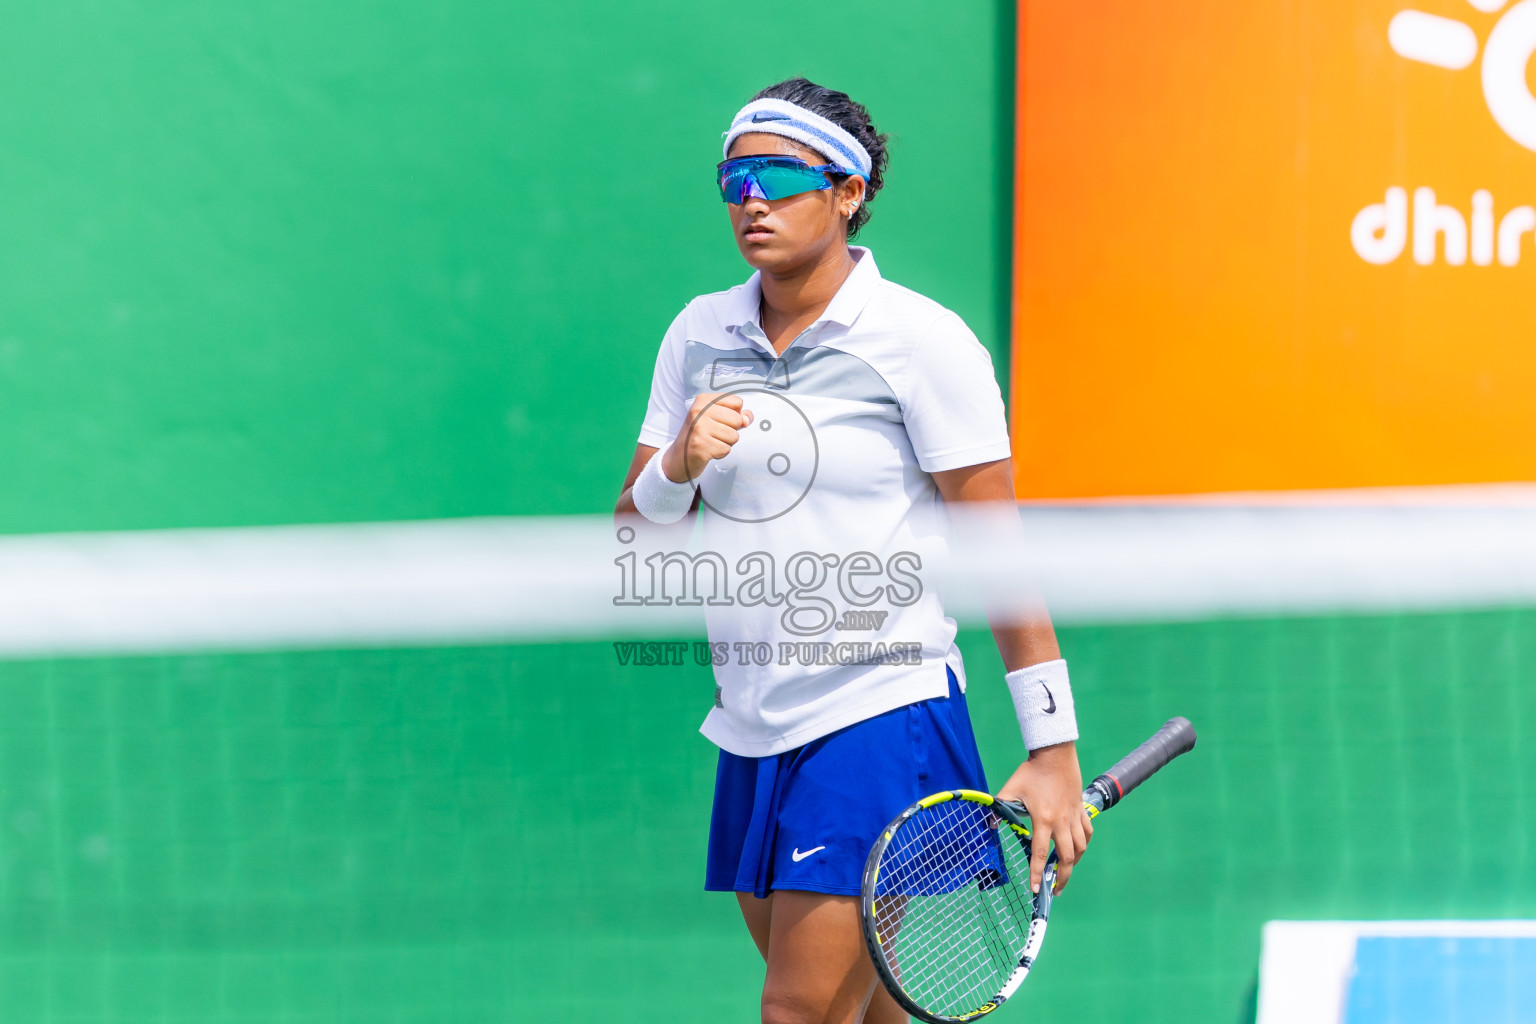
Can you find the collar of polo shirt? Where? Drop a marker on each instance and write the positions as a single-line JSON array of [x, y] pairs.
[[844, 308]]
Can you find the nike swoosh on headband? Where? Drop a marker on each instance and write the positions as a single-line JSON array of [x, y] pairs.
[[804, 126]]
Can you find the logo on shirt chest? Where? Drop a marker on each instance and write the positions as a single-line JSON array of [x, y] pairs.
[[728, 372]]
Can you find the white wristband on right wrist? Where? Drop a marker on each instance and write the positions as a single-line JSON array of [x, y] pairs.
[[657, 498], [1042, 698]]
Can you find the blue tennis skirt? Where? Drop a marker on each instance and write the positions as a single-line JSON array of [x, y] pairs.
[[807, 818]]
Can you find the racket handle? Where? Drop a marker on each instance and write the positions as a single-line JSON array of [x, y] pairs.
[[1176, 737]]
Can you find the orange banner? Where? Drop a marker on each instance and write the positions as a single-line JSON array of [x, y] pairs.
[[1273, 245]]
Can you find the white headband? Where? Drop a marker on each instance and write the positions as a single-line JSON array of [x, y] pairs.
[[781, 117]]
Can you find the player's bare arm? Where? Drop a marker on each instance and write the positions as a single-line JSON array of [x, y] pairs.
[[1050, 782]]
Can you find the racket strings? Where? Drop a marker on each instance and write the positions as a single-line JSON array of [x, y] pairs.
[[953, 906]]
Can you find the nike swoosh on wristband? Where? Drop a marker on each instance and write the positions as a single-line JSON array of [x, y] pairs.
[[797, 856], [1052, 709]]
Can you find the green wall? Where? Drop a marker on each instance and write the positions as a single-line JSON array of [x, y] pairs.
[[517, 834], [272, 262]]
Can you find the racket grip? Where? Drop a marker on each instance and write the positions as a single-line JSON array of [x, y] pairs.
[[1176, 737]]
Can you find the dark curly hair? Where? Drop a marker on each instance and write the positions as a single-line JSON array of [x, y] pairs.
[[838, 108]]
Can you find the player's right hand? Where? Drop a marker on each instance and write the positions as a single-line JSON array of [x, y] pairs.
[[713, 426]]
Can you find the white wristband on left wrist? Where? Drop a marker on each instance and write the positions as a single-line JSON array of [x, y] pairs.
[[1042, 698]]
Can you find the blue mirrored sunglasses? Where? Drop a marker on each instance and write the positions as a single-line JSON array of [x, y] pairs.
[[772, 177]]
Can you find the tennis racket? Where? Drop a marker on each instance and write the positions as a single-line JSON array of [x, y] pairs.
[[948, 915]]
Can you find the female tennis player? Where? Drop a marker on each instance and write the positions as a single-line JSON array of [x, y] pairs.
[[820, 418]]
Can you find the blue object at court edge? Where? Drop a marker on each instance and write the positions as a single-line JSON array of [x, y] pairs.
[[1442, 980]]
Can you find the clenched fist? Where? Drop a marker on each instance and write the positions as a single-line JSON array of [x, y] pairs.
[[713, 425]]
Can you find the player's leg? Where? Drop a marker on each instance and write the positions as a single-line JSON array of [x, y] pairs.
[[883, 1009], [818, 969], [758, 913]]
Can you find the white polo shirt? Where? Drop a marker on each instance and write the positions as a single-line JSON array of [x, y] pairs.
[[819, 523]]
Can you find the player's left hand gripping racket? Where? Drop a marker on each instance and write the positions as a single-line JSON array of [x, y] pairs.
[[948, 914]]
